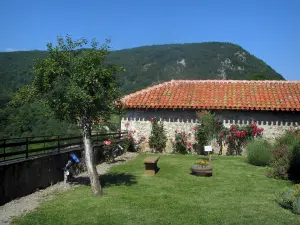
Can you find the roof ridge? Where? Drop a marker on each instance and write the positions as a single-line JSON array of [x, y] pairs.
[[238, 81]]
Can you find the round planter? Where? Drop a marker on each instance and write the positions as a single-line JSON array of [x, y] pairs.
[[199, 171]]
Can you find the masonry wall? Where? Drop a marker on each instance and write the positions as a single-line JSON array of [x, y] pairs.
[[274, 123]]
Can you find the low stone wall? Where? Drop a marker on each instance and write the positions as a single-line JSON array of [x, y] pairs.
[[26, 176], [274, 123]]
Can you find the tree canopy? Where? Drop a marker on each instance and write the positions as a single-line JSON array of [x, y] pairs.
[[78, 86]]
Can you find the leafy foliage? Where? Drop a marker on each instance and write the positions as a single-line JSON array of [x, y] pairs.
[[290, 198], [181, 143], [259, 152], [237, 136], [77, 86], [208, 127], [286, 157], [158, 138]]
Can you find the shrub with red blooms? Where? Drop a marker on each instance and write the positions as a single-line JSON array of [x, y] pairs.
[[280, 163], [181, 143], [286, 156], [237, 136]]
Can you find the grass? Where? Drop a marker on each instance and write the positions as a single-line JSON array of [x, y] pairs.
[[238, 193]]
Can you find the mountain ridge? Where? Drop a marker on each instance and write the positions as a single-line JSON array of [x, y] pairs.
[[149, 64]]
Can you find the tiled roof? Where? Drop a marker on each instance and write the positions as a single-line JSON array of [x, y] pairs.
[[218, 94]]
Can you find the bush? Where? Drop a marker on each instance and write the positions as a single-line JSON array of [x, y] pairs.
[[237, 136], [280, 163], [158, 138], [208, 127], [259, 152], [290, 198], [296, 206], [286, 156], [181, 143]]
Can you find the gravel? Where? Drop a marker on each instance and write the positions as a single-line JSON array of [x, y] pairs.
[[21, 206]]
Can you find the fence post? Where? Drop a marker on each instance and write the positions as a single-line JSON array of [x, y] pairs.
[[58, 143], [27, 147]]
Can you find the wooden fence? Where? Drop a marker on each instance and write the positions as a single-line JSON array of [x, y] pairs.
[[20, 148]]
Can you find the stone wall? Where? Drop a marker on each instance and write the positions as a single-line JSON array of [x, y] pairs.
[[274, 123]]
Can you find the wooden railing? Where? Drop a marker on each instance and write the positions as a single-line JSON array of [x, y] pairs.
[[18, 148]]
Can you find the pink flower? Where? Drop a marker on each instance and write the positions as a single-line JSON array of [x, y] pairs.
[[127, 124], [190, 145], [136, 142], [194, 128], [107, 143]]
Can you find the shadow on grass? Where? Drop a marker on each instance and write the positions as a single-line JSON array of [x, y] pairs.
[[110, 179]]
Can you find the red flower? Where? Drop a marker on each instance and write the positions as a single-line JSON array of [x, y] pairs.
[[107, 143], [190, 145]]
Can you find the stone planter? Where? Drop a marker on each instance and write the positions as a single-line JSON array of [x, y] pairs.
[[202, 171]]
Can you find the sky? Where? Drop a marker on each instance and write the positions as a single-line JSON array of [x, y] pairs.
[[268, 29]]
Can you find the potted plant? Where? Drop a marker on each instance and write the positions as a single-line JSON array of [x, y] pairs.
[[202, 168]]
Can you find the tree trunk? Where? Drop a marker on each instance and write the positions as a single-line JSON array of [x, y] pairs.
[[89, 159]]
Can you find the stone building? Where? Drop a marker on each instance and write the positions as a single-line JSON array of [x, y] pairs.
[[275, 105]]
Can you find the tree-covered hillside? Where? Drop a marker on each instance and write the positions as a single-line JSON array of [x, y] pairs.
[[144, 66], [151, 64]]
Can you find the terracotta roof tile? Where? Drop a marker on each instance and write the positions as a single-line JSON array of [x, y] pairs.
[[219, 94]]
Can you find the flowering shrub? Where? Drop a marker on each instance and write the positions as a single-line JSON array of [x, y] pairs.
[[286, 156], [181, 143], [208, 127], [237, 136], [129, 142], [158, 138], [108, 150], [280, 163]]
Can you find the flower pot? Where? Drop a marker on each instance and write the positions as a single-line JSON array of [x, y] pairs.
[[202, 171]]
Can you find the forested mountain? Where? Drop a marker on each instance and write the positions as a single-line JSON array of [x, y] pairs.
[[144, 66]]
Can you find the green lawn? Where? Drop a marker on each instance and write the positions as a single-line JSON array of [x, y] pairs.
[[238, 193]]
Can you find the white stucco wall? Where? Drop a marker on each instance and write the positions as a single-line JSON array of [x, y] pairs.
[[274, 123]]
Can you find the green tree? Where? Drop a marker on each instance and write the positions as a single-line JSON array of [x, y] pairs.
[[257, 76], [77, 84], [158, 138]]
